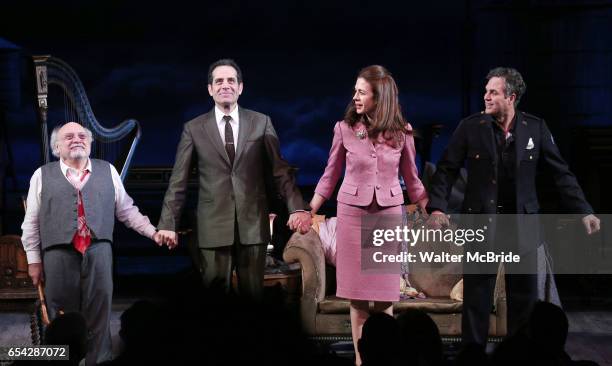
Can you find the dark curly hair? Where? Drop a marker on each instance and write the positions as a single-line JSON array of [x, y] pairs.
[[514, 82]]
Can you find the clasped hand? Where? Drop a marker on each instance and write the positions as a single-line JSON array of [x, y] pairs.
[[300, 221], [166, 237]]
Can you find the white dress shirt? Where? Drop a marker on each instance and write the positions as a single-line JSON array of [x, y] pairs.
[[234, 122], [125, 210]]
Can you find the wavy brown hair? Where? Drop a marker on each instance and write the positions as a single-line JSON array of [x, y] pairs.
[[387, 118]]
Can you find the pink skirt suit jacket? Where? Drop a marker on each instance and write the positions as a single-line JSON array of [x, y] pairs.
[[370, 186]]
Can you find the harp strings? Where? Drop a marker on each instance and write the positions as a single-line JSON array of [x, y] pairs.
[[108, 151], [101, 148]]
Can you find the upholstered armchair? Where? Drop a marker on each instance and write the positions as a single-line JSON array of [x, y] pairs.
[[323, 314]]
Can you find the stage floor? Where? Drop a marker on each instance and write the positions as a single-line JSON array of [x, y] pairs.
[[590, 336]]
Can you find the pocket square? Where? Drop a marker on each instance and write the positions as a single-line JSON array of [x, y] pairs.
[[530, 144]]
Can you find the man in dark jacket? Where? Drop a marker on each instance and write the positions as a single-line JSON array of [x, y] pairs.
[[502, 149]]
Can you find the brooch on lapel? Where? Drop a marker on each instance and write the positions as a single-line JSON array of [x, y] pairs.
[[361, 134]]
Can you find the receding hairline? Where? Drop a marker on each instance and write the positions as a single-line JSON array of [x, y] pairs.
[[71, 123], [230, 66]]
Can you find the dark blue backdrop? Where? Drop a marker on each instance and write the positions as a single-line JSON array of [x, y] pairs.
[[148, 62]]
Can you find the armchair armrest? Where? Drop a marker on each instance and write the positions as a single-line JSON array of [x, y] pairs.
[[308, 251]]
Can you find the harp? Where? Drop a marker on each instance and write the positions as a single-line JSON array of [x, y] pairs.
[[115, 145]]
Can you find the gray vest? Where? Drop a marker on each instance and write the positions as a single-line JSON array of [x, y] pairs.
[[58, 204]]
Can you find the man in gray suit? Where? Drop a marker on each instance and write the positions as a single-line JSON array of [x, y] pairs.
[[233, 147]]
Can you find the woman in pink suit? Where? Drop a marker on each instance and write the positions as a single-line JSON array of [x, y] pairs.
[[376, 145]]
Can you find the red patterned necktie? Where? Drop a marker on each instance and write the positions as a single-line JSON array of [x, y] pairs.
[[82, 237]]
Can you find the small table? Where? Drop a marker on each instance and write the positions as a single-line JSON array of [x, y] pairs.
[[289, 282]]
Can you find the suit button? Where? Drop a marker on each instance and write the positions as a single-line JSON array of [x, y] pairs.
[[494, 181], [477, 156], [374, 156], [378, 186], [469, 209], [491, 201], [530, 157]]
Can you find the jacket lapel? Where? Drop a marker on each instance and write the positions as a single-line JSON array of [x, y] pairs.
[[244, 131], [486, 134], [521, 131], [212, 131]]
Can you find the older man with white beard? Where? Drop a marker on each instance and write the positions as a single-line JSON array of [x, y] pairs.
[[68, 230]]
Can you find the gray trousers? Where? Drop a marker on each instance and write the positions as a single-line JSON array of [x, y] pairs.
[[249, 260], [83, 283]]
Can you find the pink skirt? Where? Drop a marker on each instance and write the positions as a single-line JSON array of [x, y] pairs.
[[351, 281]]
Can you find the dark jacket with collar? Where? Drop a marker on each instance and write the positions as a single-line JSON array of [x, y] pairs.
[[473, 145]]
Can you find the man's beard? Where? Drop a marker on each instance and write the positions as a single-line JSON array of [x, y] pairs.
[[78, 154]]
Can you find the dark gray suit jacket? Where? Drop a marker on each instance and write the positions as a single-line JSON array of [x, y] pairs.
[[227, 192]]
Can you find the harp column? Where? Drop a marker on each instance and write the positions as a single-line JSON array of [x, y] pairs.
[[42, 89]]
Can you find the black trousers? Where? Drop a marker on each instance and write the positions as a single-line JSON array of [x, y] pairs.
[[521, 295], [521, 282]]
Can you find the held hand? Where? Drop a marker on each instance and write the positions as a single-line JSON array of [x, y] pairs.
[[158, 239], [422, 203], [306, 220], [437, 220], [591, 224], [294, 222], [35, 271], [167, 237], [300, 221]]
